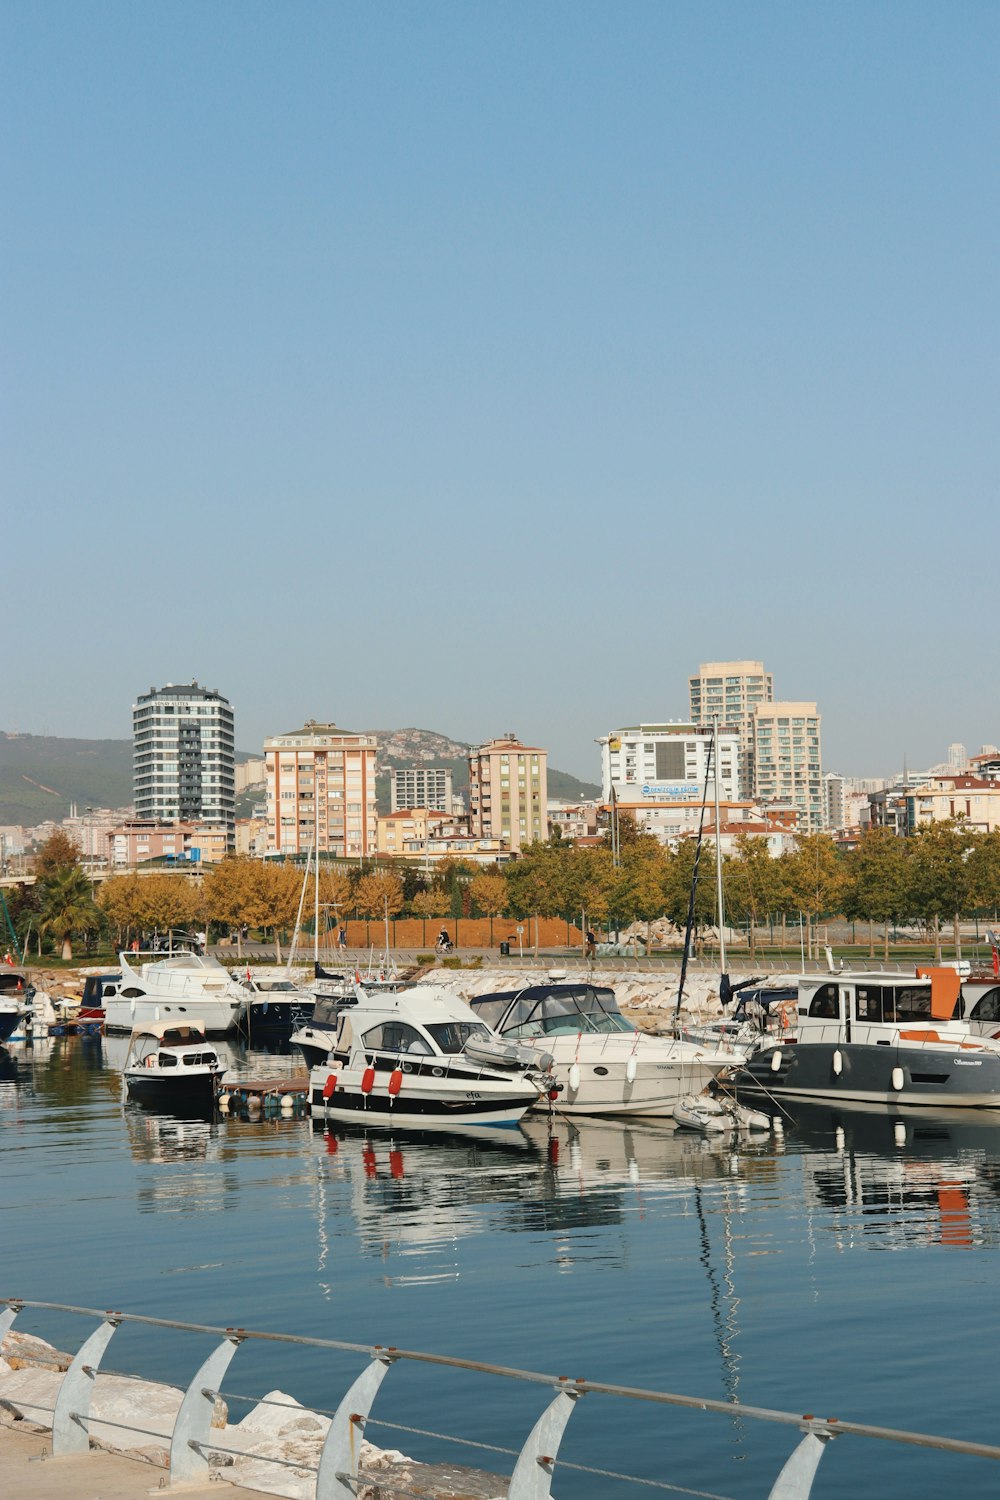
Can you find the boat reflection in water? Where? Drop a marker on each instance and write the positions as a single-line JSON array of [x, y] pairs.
[[897, 1180], [414, 1194]]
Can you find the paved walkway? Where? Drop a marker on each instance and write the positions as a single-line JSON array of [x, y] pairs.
[[29, 1472]]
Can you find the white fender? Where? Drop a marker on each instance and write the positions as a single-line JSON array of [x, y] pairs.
[[838, 1062], [574, 1077], [899, 1133], [775, 1061], [630, 1069], [897, 1078]]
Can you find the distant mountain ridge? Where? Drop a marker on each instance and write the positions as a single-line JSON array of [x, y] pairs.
[[41, 776]]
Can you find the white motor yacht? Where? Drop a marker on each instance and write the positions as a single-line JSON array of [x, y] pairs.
[[883, 1039], [605, 1066], [175, 988], [404, 1059]]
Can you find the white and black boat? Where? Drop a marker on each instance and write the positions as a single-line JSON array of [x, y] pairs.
[[880, 1038], [404, 1059], [16, 992], [605, 1066], [317, 1037], [275, 1005], [172, 1067], [175, 988]]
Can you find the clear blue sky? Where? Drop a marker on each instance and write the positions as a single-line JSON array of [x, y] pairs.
[[486, 366]]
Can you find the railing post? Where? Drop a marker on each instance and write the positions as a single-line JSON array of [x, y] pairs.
[[532, 1476], [193, 1424], [337, 1476], [71, 1415], [796, 1478], [7, 1317]]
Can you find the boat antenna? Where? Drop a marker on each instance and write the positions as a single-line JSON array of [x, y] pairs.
[[689, 925]]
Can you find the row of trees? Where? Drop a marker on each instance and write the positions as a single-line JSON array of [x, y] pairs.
[[943, 873]]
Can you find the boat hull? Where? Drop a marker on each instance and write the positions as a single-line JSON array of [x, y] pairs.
[[216, 1016], [173, 1094], [9, 1019], [932, 1077], [422, 1103], [664, 1072]]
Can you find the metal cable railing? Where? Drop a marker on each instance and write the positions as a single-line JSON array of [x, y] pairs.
[[337, 1473]]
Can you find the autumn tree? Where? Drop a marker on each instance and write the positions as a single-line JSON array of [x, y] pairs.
[[489, 893], [816, 875], [938, 884], [751, 884], [57, 853], [875, 884], [379, 893]]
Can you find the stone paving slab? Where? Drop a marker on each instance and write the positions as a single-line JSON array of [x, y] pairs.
[[29, 1472]]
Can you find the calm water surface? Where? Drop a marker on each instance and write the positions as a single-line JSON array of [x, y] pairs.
[[847, 1268]]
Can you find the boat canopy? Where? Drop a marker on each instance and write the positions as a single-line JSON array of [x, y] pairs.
[[550, 1009], [169, 1033]]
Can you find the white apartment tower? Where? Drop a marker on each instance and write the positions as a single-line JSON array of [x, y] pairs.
[[321, 788], [787, 760], [732, 690], [421, 786], [659, 774], [182, 756]]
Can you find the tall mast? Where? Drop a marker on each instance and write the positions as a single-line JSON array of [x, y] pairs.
[[718, 850]]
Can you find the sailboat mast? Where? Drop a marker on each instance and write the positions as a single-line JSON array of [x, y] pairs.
[[718, 851]]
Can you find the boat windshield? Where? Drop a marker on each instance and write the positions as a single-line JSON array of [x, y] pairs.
[[272, 986], [451, 1036], [564, 1012]]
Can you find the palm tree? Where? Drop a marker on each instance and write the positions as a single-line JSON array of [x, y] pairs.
[[68, 906]]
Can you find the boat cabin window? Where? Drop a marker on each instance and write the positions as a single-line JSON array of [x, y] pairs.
[[396, 1036], [825, 1003], [167, 1060], [892, 1002], [988, 1007], [451, 1036]]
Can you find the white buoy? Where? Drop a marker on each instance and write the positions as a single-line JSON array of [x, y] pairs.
[[897, 1078], [224, 1101], [630, 1069], [899, 1133], [775, 1061], [840, 1137], [838, 1062], [287, 1104], [574, 1077]]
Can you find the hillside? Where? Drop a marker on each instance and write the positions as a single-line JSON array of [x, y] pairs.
[[42, 775]]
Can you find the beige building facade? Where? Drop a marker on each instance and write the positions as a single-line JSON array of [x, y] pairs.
[[972, 798], [730, 691], [788, 764], [508, 792], [321, 788]]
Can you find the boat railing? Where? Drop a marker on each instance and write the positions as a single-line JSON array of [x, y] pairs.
[[194, 1440]]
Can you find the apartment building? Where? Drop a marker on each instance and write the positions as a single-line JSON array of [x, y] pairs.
[[730, 691], [420, 786], [321, 789], [974, 799], [137, 841], [508, 792], [787, 760], [183, 756], [657, 774]]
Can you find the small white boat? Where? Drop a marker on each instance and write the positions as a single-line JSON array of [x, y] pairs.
[[702, 1112], [403, 1059], [171, 1066], [714, 1113]]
